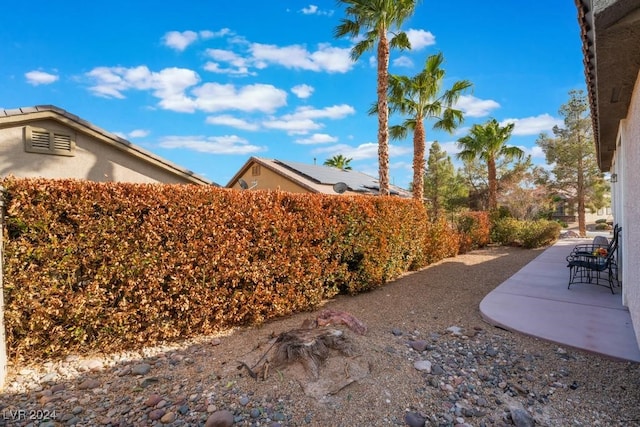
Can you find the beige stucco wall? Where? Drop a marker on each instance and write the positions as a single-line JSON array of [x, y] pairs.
[[628, 166], [94, 160], [269, 180]]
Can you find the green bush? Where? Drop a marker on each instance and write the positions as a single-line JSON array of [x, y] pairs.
[[602, 226], [538, 233], [506, 231], [530, 234], [601, 221]]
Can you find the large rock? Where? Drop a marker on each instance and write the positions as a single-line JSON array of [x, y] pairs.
[[220, 419]]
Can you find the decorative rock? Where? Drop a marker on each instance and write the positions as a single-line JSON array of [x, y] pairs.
[[153, 400], [396, 332], [414, 419], [220, 419], [148, 381], [455, 330], [141, 369], [423, 365], [419, 345], [168, 418], [244, 400], [255, 413], [521, 418], [216, 341], [156, 414], [89, 384], [90, 365]]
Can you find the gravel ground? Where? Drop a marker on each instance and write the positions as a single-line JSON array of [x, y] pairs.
[[427, 359]]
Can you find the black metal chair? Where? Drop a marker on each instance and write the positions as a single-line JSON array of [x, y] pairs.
[[594, 263]]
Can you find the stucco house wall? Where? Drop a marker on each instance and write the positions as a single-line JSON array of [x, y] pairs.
[[627, 160], [95, 154], [260, 177]]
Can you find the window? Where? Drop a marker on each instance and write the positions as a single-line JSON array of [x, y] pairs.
[[255, 170], [39, 140]]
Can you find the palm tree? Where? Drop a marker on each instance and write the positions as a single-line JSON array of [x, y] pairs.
[[421, 98], [339, 161], [376, 18], [488, 143]]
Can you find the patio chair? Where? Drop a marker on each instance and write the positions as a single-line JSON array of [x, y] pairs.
[[598, 242], [596, 267]]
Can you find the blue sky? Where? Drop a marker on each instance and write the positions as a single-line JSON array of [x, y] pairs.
[[207, 84]]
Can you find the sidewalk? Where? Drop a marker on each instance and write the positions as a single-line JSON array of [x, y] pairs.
[[535, 301]]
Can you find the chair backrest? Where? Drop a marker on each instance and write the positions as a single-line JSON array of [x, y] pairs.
[[601, 241]]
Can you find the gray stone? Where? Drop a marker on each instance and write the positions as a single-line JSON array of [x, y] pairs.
[[396, 332], [89, 384], [414, 419], [220, 419], [141, 369], [419, 345], [244, 400], [521, 418], [423, 365], [156, 414]]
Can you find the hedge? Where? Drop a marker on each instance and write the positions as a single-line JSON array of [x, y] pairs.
[[112, 266]]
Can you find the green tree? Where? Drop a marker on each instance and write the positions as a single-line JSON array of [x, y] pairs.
[[488, 143], [571, 151], [421, 98], [370, 22], [444, 189], [339, 161]]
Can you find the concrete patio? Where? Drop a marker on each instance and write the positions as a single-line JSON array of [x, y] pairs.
[[535, 301]]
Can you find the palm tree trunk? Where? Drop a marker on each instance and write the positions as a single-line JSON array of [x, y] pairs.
[[383, 112], [418, 159], [493, 184]]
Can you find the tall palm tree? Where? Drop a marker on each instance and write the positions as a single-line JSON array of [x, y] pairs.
[[375, 19], [421, 98], [488, 143], [339, 161]]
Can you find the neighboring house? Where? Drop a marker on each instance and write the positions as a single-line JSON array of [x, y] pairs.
[[47, 141], [263, 174], [611, 47]]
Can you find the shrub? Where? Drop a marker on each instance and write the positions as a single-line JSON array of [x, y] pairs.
[[473, 228], [506, 231], [538, 233], [110, 266], [601, 221], [602, 226]]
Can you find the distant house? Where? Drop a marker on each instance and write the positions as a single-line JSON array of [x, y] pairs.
[[263, 174], [47, 141]]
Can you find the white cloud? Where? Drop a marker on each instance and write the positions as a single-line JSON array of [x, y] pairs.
[[293, 126], [420, 38], [213, 97], [240, 65], [367, 150], [168, 84], [179, 40], [36, 78], [536, 151], [403, 61], [317, 138], [475, 107], [533, 125], [139, 133], [228, 144], [302, 91], [227, 120], [312, 9], [325, 58], [136, 133], [373, 62], [333, 112]]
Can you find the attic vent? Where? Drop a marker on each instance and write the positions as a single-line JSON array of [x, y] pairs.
[[38, 140]]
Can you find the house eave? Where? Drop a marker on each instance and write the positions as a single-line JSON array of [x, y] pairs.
[[610, 31]]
